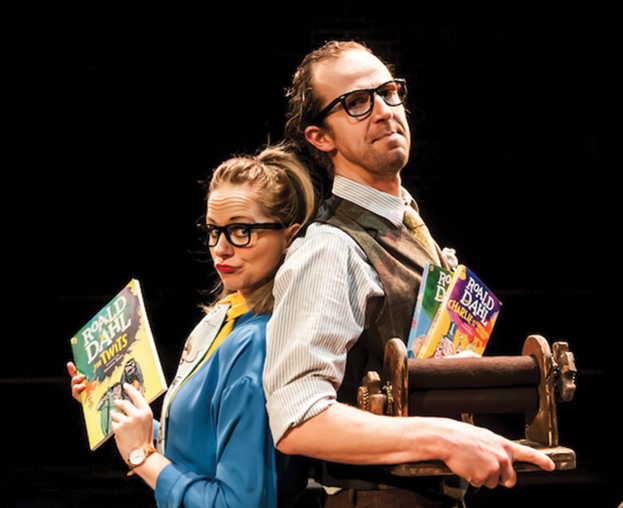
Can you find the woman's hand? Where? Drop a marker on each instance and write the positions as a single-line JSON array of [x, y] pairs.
[[76, 381], [134, 426]]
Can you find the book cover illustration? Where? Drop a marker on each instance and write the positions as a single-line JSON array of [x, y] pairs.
[[115, 347], [435, 280], [464, 320]]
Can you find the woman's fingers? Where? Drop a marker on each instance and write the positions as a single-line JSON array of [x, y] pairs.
[[137, 407], [133, 424], [71, 368], [76, 381], [126, 407], [136, 397], [119, 417]]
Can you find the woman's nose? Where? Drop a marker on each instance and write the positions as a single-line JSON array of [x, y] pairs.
[[222, 248]]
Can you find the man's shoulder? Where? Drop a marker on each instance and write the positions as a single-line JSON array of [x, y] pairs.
[[322, 247], [322, 236], [323, 228]]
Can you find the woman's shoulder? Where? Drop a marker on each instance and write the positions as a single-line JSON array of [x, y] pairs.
[[243, 351], [250, 322], [249, 333]]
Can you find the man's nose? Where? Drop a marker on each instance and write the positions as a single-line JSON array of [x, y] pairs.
[[381, 109]]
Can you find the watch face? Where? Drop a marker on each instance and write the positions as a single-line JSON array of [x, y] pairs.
[[137, 456]]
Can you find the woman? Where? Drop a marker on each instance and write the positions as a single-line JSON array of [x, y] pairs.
[[214, 446]]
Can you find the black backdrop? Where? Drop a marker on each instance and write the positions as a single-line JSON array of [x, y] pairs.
[[115, 113]]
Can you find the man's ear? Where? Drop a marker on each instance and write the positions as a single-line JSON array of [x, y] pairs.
[[319, 138]]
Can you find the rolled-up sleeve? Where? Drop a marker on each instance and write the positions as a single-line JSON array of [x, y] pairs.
[[321, 297]]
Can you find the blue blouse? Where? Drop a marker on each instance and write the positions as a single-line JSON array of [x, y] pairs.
[[218, 438]]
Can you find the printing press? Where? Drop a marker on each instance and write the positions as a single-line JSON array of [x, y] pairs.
[[532, 384]]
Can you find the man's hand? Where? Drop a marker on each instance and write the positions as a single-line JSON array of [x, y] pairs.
[[484, 458]]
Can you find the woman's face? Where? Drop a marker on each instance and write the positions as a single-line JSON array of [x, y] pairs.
[[241, 268]]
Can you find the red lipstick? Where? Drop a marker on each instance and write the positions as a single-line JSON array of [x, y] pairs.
[[224, 268]]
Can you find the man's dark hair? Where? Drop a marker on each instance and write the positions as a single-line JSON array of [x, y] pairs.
[[304, 105]]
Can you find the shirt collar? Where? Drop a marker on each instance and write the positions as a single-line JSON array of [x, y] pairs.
[[237, 304], [385, 205]]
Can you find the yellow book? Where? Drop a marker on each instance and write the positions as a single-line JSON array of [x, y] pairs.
[[115, 347]]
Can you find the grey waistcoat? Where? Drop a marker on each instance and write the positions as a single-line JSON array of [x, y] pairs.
[[398, 259]]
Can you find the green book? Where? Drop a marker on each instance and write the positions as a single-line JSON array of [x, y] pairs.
[[435, 281]]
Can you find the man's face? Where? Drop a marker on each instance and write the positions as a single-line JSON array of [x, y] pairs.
[[375, 146]]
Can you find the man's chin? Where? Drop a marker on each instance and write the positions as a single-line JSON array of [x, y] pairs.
[[398, 157]]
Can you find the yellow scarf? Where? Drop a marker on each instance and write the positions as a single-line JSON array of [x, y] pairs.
[[237, 307]]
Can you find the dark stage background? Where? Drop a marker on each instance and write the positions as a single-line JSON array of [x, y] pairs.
[[115, 113]]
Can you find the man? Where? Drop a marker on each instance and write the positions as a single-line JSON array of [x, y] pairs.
[[350, 285]]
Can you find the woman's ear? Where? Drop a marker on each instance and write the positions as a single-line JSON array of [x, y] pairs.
[[291, 232], [319, 137]]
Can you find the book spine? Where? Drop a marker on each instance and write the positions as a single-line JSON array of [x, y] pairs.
[[430, 342], [417, 311]]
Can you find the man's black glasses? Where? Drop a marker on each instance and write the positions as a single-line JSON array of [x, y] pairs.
[[238, 234], [360, 102]]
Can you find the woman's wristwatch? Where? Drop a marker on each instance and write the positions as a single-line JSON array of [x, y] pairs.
[[138, 457]]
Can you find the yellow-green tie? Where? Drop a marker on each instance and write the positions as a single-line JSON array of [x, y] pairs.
[[418, 229]]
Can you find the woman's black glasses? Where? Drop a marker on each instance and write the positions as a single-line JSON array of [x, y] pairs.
[[360, 102], [238, 234]]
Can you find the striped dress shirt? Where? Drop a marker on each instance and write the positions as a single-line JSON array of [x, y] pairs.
[[324, 298]]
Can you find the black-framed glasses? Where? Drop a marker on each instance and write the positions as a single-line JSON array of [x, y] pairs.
[[238, 234], [359, 103]]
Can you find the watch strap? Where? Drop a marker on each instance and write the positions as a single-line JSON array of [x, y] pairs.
[[148, 451]]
